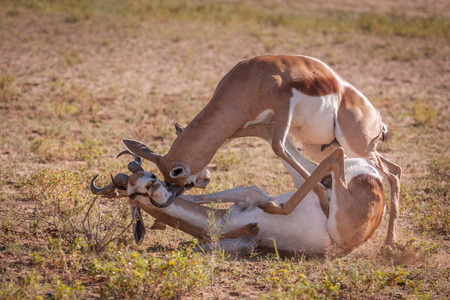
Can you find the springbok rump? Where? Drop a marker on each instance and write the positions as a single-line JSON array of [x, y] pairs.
[[295, 95], [356, 209]]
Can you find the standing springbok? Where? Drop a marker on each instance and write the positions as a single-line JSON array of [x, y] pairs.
[[356, 209], [291, 94]]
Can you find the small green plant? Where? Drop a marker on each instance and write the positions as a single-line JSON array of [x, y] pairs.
[[154, 276], [72, 58], [401, 25], [65, 210], [424, 114], [8, 88], [428, 200]]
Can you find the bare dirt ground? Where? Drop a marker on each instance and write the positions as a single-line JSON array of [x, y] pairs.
[[75, 79]]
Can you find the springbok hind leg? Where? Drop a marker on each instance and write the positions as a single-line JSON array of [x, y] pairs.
[[242, 245], [335, 161], [393, 173]]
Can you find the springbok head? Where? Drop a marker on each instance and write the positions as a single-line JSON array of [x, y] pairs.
[[175, 173], [139, 183]]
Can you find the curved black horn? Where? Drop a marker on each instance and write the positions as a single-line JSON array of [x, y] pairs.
[[101, 191], [134, 166], [120, 181]]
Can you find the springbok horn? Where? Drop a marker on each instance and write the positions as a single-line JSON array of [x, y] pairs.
[[134, 166], [141, 150], [101, 191], [120, 181]]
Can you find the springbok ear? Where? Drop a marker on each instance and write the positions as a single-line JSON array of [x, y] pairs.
[[178, 128], [141, 150], [180, 171]]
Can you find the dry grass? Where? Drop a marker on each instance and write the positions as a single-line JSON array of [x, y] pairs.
[[77, 76]]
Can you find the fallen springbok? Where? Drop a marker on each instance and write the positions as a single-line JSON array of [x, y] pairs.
[[291, 94], [356, 209]]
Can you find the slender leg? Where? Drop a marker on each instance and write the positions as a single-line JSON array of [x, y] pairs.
[[335, 162], [393, 173], [265, 132], [244, 197], [298, 156], [249, 229], [282, 121], [243, 245]]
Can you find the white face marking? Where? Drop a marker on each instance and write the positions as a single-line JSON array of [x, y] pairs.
[[160, 194], [157, 191]]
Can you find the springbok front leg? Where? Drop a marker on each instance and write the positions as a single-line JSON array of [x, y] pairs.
[[282, 122], [334, 160], [243, 197], [393, 173], [266, 132]]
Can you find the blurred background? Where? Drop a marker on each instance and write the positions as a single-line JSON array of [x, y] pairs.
[[78, 76]]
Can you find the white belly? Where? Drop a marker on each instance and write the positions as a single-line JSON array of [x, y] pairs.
[[313, 118], [303, 230]]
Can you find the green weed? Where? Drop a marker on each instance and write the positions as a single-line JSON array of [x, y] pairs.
[[428, 200], [72, 58], [169, 276], [399, 24], [8, 89], [424, 114], [62, 148], [391, 24], [64, 209]]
